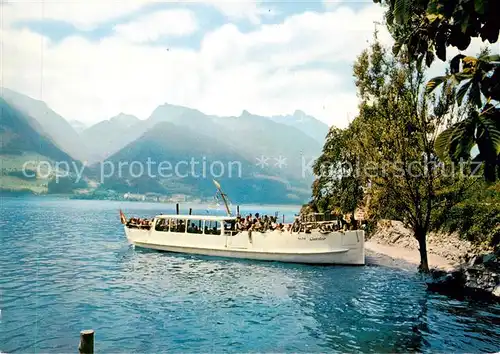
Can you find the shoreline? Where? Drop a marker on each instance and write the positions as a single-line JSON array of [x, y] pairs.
[[401, 257], [9, 194], [445, 251]]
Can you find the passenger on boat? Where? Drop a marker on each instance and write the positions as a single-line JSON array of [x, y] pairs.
[[266, 223], [161, 225], [240, 225], [133, 223], [257, 226], [247, 223]]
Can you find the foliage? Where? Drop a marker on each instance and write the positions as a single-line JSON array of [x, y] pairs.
[[480, 77], [481, 129], [337, 188], [389, 147], [425, 28], [477, 218]]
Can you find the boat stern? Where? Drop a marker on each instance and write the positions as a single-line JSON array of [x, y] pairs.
[[355, 242]]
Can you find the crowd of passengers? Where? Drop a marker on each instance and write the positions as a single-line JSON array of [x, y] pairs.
[[250, 222], [139, 223], [258, 223]]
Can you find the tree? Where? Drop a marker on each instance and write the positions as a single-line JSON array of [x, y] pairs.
[[426, 28], [481, 129], [391, 145], [479, 77], [337, 187], [480, 84]]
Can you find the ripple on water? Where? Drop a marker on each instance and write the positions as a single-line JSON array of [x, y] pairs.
[[56, 280]]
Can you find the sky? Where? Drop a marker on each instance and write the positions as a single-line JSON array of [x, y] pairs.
[[90, 60]]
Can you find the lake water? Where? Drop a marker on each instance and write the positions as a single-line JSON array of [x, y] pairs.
[[65, 266]]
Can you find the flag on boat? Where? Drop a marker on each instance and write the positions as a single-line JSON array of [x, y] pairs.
[[123, 219]]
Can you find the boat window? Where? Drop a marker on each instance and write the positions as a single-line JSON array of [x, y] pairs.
[[177, 225], [161, 225], [230, 227], [212, 227], [195, 226]]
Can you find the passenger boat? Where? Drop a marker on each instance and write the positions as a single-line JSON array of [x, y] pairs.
[[306, 241]]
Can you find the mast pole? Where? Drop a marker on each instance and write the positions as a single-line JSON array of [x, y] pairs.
[[228, 211]]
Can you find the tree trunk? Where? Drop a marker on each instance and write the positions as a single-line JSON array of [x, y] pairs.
[[490, 171], [354, 222], [422, 245]]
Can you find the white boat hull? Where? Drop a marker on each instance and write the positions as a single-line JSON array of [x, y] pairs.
[[312, 248]]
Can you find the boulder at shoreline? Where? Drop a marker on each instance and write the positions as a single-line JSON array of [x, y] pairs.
[[479, 277]]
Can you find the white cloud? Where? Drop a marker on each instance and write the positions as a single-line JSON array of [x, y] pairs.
[[303, 63], [82, 14], [333, 4], [87, 14], [249, 10], [177, 22]]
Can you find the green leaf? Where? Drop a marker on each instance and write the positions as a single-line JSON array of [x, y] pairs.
[[435, 82], [491, 127], [465, 23], [479, 6], [463, 75], [442, 143], [429, 58], [491, 58], [389, 17], [462, 91], [462, 139], [488, 142], [402, 10], [419, 61], [432, 7], [441, 48], [396, 48], [475, 96]]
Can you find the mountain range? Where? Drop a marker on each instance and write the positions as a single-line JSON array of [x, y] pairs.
[[268, 153]]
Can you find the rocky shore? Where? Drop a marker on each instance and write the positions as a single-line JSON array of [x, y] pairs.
[[459, 268], [480, 277]]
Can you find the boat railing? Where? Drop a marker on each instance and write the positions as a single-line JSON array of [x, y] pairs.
[[318, 217]]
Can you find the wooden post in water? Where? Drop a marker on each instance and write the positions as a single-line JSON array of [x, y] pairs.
[[190, 211], [177, 208], [283, 219], [237, 210], [86, 345]]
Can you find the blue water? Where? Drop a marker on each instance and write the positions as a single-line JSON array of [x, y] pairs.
[[65, 266]]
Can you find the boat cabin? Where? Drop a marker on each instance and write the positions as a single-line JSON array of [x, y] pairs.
[[196, 224]]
